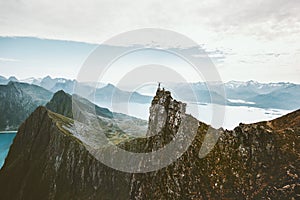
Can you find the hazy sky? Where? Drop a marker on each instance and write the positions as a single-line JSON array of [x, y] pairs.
[[258, 40]]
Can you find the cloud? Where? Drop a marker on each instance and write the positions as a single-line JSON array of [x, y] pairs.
[[93, 21], [8, 60], [260, 18], [215, 55], [243, 28]]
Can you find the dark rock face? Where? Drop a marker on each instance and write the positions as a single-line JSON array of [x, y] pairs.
[[46, 162], [61, 103], [18, 101], [254, 161], [251, 162]]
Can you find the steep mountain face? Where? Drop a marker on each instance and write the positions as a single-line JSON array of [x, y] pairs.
[[18, 100], [254, 161], [61, 103], [47, 162]]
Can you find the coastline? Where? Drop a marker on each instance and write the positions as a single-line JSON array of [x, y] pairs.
[[3, 132]]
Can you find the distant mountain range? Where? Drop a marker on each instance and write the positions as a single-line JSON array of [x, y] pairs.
[[287, 97], [19, 100], [253, 94], [110, 93], [103, 92], [280, 95]]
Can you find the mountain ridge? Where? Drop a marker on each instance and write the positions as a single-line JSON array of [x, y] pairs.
[[68, 158], [253, 161]]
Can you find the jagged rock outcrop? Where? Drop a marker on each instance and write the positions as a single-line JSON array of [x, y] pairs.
[[253, 161], [165, 113]]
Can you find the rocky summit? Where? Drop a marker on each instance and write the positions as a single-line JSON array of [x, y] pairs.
[[254, 161]]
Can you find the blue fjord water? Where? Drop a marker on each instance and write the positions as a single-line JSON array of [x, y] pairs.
[[6, 140]]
